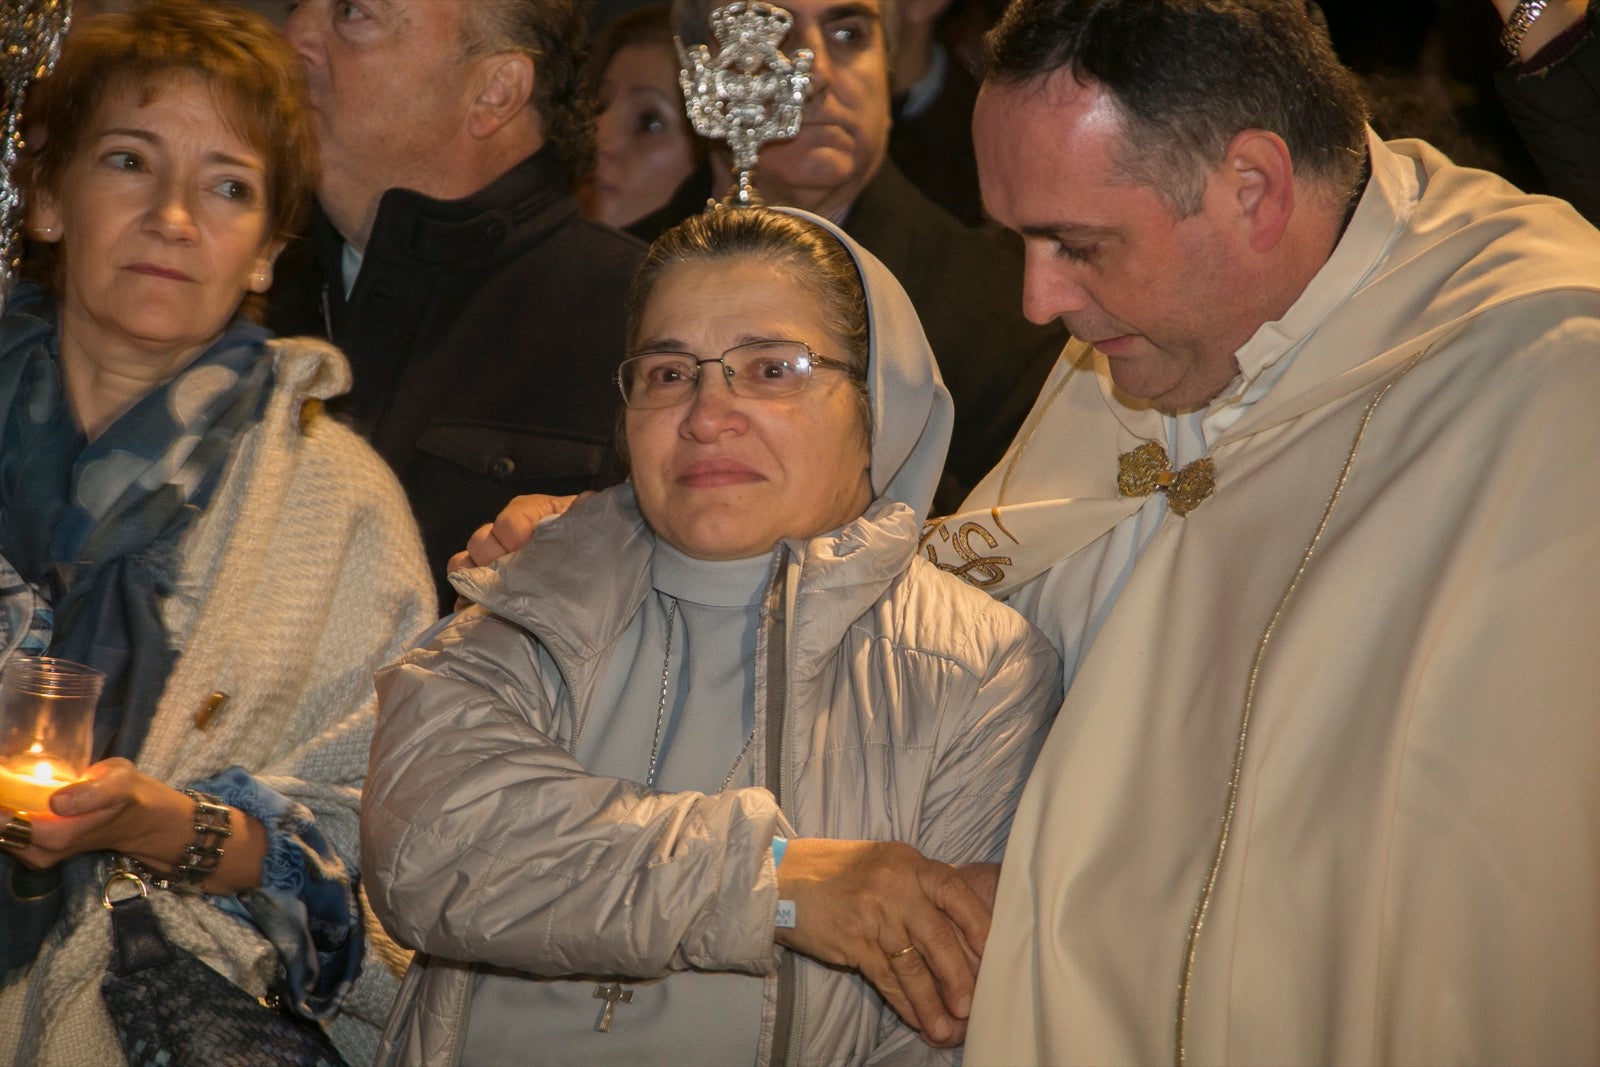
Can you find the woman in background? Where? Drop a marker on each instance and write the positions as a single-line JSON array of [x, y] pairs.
[[644, 148]]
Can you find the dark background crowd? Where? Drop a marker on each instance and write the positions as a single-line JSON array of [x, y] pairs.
[[1428, 66]]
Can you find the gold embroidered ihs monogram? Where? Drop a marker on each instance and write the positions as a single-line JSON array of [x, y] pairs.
[[979, 570], [1146, 470]]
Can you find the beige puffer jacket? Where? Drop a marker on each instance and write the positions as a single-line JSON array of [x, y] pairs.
[[894, 703]]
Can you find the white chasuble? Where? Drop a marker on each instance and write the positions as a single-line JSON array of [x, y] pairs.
[[1326, 785]]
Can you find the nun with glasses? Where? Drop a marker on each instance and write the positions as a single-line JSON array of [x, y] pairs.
[[716, 769]]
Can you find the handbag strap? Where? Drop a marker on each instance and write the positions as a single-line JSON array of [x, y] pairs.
[[137, 940]]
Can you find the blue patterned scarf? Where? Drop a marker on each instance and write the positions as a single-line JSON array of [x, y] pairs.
[[94, 526], [25, 619]]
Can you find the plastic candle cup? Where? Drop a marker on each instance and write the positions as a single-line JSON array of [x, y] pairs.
[[46, 728]]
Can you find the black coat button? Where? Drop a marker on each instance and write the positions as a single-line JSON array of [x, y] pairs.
[[502, 467]]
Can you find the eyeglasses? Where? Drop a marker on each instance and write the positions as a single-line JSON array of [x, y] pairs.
[[760, 370]]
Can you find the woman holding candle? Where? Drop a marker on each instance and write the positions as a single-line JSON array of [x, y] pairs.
[[234, 562]]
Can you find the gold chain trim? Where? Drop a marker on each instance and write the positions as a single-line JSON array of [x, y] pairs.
[[1237, 773]]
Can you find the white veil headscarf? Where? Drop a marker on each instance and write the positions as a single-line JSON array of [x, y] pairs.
[[912, 413]]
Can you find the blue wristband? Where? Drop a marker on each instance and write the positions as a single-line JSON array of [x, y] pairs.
[[785, 918]]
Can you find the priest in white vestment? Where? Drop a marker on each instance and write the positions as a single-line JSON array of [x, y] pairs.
[[1325, 787]]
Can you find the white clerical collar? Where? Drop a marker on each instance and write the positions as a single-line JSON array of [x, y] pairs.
[[1379, 219], [926, 89], [737, 583], [349, 267]]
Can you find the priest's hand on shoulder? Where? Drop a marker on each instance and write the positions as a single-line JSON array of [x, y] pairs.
[[912, 926], [511, 529]]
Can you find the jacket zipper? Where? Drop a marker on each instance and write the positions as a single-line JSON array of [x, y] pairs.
[[778, 660]]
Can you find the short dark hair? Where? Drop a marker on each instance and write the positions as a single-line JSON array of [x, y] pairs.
[[691, 20], [1188, 75], [258, 80], [811, 256], [555, 35]]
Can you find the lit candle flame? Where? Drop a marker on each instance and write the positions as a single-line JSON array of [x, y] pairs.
[[43, 773]]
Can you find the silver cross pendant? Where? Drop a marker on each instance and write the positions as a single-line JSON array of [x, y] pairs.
[[612, 994]]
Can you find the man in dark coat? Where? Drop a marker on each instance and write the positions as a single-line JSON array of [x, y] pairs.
[[1552, 93], [481, 315]]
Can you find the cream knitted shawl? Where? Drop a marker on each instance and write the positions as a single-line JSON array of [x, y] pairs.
[[304, 576]]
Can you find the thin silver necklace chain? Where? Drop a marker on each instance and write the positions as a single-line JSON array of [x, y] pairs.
[[661, 713]]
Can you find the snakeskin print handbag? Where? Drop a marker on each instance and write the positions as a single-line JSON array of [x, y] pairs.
[[171, 1010]]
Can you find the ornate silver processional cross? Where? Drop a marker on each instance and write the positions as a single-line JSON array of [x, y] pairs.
[[750, 92], [30, 41]]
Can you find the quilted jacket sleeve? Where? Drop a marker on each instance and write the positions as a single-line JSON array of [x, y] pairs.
[[484, 840]]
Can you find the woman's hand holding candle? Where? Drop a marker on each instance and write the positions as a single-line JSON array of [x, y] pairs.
[[115, 807]]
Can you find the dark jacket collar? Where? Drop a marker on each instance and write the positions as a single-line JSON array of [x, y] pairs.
[[688, 199], [420, 228], [695, 191]]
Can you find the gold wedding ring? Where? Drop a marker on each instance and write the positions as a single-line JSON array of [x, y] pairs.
[[17, 834], [908, 950]]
